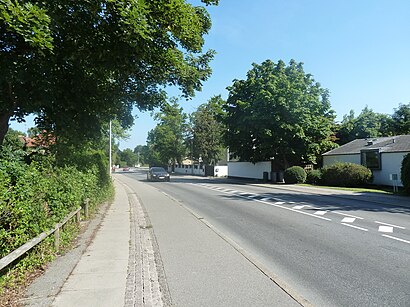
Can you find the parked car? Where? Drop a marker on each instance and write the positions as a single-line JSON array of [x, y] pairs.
[[157, 174], [126, 169]]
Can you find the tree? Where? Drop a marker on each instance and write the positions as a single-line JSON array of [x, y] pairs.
[[78, 64], [128, 156], [278, 113], [208, 131], [401, 119], [166, 140], [142, 153], [367, 125]]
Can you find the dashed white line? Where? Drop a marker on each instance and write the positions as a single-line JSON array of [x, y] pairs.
[[266, 199], [384, 228], [299, 207], [348, 220], [279, 203], [356, 227], [356, 217], [390, 225], [398, 239], [320, 212]]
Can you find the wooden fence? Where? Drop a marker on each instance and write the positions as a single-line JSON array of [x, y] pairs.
[[10, 258]]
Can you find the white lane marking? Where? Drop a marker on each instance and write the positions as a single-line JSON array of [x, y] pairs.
[[398, 239], [356, 227], [356, 217], [320, 212], [390, 225], [348, 220], [266, 199], [385, 228], [299, 207], [279, 203]]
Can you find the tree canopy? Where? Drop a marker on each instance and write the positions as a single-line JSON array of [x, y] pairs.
[[207, 131], [368, 124], [401, 119], [166, 142], [280, 113], [77, 64]]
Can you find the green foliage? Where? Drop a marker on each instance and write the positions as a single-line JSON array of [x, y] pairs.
[[401, 119], [314, 176], [278, 112], [128, 156], [405, 173], [346, 175], [367, 125], [166, 140], [294, 174], [208, 131], [114, 55]]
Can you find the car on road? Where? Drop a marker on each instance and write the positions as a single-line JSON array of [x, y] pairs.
[[158, 174]]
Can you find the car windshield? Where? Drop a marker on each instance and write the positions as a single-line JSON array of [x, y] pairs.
[[158, 170]]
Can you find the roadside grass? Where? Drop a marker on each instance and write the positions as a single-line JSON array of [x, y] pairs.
[[376, 189]]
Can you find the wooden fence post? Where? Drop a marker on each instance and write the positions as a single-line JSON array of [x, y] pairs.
[[57, 237], [86, 202], [78, 217]]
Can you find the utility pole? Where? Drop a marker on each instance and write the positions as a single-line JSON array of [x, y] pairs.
[[110, 166]]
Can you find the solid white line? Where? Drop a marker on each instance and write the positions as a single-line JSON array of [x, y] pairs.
[[357, 217], [390, 225], [398, 239], [360, 228]]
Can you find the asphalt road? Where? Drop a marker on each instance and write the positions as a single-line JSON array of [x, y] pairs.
[[331, 251]]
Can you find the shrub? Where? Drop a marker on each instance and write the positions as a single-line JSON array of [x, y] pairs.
[[346, 175], [314, 176], [405, 173], [295, 174]]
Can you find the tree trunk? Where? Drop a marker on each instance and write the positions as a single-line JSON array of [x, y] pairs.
[[4, 125]]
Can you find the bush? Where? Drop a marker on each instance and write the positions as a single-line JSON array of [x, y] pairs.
[[405, 173], [346, 175], [295, 174], [314, 176]]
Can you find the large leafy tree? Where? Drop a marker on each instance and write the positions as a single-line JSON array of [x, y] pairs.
[[280, 113], [167, 140], [208, 130], [77, 64], [401, 119], [368, 124]]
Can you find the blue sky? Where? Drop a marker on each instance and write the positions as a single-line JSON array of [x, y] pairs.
[[358, 49]]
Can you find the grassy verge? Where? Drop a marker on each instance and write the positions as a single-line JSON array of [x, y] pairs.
[[377, 189]]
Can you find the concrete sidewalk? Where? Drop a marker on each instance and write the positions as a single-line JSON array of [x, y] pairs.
[[99, 278]]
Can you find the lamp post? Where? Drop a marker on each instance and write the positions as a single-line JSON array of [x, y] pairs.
[[110, 154]]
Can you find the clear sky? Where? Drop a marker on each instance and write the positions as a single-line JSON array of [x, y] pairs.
[[358, 49]]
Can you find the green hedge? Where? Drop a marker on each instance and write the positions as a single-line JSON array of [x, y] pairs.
[[346, 175], [294, 174], [314, 177], [33, 198]]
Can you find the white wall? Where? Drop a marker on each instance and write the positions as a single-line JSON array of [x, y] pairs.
[[248, 169], [191, 170], [391, 164], [221, 171], [329, 160]]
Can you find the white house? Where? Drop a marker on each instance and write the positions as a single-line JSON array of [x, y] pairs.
[[383, 156]]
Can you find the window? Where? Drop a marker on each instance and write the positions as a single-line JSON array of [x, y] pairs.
[[371, 159]]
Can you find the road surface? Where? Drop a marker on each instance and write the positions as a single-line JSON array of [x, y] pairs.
[[323, 250]]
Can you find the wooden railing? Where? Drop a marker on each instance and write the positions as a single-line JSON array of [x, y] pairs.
[[10, 258]]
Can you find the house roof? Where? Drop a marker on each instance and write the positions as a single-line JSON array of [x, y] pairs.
[[398, 143]]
